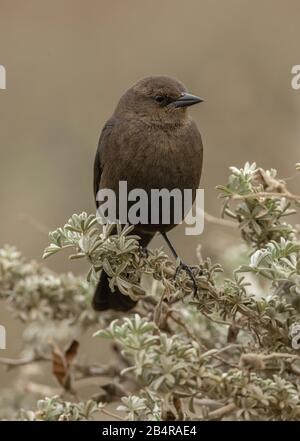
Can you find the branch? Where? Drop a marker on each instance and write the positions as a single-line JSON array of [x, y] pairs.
[[219, 221], [266, 194], [219, 413], [17, 362], [113, 415], [86, 371]]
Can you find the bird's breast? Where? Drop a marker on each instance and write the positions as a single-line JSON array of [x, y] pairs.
[[165, 159], [149, 157]]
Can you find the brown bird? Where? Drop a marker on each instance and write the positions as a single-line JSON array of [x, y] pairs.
[[152, 143]]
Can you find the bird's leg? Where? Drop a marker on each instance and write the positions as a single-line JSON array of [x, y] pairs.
[[182, 266], [145, 239]]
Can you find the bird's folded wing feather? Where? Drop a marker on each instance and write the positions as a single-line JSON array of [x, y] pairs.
[[103, 143]]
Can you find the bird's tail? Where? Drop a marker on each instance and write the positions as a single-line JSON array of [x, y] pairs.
[[105, 299]]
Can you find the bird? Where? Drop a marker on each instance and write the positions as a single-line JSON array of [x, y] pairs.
[[150, 142]]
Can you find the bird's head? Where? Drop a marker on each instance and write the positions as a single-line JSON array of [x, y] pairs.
[[157, 99]]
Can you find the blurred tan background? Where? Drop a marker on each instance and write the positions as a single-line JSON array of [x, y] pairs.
[[67, 64]]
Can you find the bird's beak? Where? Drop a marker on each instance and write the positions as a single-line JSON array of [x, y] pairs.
[[187, 99]]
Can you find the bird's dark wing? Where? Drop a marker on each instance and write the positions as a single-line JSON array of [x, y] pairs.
[[103, 143]]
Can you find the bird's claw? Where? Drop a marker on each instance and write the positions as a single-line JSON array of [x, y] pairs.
[[144, 252], [189, 270]]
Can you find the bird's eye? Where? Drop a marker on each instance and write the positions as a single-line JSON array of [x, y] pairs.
[[159, 99]]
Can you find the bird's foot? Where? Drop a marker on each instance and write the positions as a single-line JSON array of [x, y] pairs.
[[189, 270], [144, 252]]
